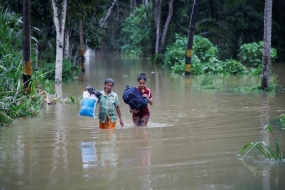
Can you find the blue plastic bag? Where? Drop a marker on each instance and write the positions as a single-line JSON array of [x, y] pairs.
[[88, 105]]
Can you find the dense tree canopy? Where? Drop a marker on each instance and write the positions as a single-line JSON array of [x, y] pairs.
[[131, 23]]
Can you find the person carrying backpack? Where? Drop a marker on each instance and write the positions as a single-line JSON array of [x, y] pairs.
[[141, 117]]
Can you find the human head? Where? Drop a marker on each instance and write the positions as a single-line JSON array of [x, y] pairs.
[[142, 80], [142, 76], [108, 80], [109, 83]]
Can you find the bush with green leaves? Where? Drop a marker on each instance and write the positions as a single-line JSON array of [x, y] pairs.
[[204, 49], [204, 58], [136, 34], [256, 71], [234, 67], [175, 54], [69, 70], [250, 54]]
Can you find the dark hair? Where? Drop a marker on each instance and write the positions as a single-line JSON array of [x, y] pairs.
[[142, 76], [108, 80]]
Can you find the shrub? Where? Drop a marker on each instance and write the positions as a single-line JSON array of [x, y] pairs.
[[251, 54], [234, 67], [204, 48], [68, 70]]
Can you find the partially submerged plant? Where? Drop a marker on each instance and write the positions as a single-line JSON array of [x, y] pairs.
[[265, 149], [282, 119]]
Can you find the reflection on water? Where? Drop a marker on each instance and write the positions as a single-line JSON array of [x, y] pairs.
[[89, 154], [192, 140]]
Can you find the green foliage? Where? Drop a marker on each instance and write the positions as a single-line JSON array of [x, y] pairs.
[[265, 149], [14, 101], [136, 34], [207, 81], [234, 67], [250, 54], [19, 105], [158, 58], [69, 70], [72, 99], [10, 57], [282, 119], [253, 88], [175, 54], [204, 59], [204, 49], [257, 71]]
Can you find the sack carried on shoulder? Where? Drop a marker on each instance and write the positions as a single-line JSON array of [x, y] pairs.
[[133, 98]]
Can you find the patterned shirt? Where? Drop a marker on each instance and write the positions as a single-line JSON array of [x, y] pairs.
[[108, 104]]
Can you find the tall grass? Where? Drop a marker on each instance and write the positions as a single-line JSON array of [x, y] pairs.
[[14, 102]]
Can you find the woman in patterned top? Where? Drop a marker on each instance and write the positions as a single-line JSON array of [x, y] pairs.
[[109, 105], [141, 117]]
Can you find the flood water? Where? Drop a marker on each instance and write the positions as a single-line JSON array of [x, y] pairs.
[[192, 140]]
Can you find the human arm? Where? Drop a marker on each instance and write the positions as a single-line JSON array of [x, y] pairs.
[[149, 98], [120, 115]]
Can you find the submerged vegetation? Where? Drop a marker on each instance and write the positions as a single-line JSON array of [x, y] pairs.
[[241, 84], [265, 149], [282, 121]]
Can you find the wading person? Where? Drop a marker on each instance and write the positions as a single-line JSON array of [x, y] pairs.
[[141, 117], [109, 105]]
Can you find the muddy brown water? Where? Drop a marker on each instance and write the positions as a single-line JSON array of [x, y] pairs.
[[192, 140]]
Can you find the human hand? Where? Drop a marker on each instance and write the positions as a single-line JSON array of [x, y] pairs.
[[121, 122], [145, 96]]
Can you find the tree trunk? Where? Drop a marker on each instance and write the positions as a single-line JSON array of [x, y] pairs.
[[108, 14], [66, 54], [267, 44], [27, 45], [82, 58], [191, 37], [165, 29], [66, 44], [157, 15], [59, 15], [71, 46]]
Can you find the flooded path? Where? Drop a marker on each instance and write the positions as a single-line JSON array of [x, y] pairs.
[[192, 141]]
